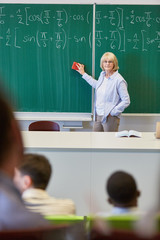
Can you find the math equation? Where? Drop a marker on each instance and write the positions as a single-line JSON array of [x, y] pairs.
[[132, 28], [44, 27], [116, 27]]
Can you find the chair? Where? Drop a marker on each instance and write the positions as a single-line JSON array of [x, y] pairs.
[[118, 222], [44, 126], [120, 235], [116, 228], [47, 233], [62, 232]]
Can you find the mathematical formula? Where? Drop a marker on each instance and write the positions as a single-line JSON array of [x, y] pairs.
[[51, 29], [115, 39], [45, 17], [43, 39], [118, 40], [118, 18], [121, 30]]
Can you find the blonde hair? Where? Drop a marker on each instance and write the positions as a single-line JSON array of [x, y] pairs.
[[112, 57]]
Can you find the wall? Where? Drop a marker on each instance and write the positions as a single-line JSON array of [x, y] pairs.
[[140, 123]]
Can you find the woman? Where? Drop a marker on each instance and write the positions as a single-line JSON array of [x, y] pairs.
[[111, 95]]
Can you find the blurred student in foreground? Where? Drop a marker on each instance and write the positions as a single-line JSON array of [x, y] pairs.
[[13, 213], [122, 193], [32, 177]]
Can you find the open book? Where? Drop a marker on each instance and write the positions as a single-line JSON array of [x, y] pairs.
[[130, 133]]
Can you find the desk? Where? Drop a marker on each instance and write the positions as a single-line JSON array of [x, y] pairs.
[[82, 161]]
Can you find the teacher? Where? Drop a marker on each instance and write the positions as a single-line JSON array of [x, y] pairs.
[[111, 94]]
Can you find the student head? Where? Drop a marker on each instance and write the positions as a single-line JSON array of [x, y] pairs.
[[122, 189], [11, 147], [33, 172], [109, 56]]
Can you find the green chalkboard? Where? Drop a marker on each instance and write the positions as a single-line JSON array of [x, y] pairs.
[[38, 44], [132, 33]]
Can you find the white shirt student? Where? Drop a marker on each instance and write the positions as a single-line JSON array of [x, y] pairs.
[[32, 177]]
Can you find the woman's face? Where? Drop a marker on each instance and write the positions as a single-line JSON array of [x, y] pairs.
[[108, 65]]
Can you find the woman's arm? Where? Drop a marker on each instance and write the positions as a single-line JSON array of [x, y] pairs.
[[85, 76]]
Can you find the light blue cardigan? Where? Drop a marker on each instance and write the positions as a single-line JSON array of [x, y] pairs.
[[116, 93]]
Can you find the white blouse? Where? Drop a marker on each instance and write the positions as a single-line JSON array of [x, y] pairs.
[[101, 97]]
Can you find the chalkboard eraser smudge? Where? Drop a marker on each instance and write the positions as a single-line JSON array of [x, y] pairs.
[[74, 66]]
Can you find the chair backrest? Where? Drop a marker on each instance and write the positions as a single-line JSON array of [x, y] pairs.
[[64, 219], [118, 222], [44, 126], [76, 225], [126, 222]]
